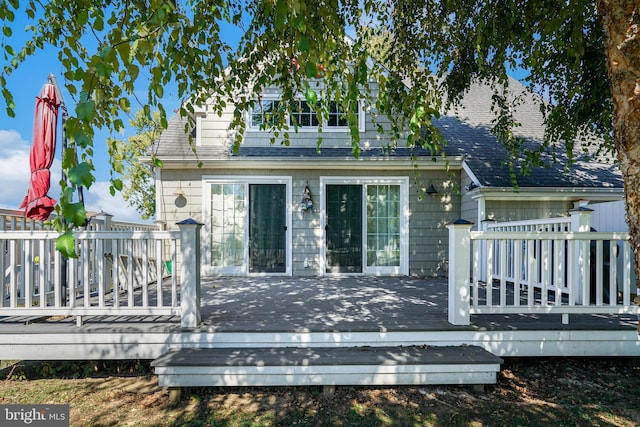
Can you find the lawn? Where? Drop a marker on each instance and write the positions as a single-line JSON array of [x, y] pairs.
[[530, 392]]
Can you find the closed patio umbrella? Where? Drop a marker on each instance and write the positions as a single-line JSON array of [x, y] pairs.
[[37, 204]]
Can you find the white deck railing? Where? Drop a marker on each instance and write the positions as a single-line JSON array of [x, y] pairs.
[[539, 267], [132, 270]]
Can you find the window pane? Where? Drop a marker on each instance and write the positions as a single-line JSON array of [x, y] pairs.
[[263, 114], [302, 115], [383, 225], [227, 225], [338, 115]]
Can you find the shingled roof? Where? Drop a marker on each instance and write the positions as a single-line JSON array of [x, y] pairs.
[[467, 130]]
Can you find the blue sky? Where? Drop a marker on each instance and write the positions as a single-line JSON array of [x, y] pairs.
[[16, 133]]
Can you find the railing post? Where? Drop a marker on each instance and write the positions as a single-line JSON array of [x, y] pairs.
[[190, 273], [485, 224], [459, 271], [107, 249], [581, 222], [581, 216]]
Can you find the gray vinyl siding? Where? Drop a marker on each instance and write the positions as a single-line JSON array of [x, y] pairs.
[[214, 131], [469, 206], [505, 210], [429, 215]]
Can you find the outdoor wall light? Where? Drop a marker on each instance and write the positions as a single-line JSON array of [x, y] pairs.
[[431, 190], [181, 200], [306, 202], [471, 186]]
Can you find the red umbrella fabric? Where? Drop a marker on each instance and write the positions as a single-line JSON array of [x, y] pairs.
[[37, 204]]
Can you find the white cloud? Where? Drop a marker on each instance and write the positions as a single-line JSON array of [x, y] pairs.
[[98, 198], [15, 171], [15, 174]]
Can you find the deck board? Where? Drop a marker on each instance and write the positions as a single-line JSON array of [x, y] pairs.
[[345, 304], [337, 356]]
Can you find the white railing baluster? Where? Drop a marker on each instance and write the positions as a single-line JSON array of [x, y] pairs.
[[57, 272], [42, 276], [627, 253], [130, 273], [544, 272], [99, 271], [174, 275], [145, 273], [599, 286], [475, 273], [531, 268], [489, 285], [85, 263], [13, 274], [517, 271], [159, 258], [613, 273], [503, 273], [71, 281], [115, 271]]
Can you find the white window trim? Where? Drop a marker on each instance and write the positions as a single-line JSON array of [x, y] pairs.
[[308, 129], [403, 181], [207, 181]]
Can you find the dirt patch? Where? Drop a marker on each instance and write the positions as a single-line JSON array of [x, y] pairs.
[[545, 391]]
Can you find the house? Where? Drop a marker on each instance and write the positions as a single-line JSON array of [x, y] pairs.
[[295, 210], [337, 261]]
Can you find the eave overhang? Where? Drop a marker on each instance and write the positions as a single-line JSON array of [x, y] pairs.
[[301, 163], [593, 194]]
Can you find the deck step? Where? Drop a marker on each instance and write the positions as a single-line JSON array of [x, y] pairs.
[[327, 366]]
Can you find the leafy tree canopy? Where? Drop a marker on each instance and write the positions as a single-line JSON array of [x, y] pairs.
[[139, 189], [108, 51]]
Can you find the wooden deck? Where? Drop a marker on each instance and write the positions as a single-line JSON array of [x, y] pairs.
[[346, 311]]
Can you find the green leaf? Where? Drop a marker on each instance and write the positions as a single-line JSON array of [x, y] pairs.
[[311, 70], [81, 175], [157, 162], [303, 45], [117, 184], [311, 96], [65, 244], [85, 110], [75, 213], [68, 158]]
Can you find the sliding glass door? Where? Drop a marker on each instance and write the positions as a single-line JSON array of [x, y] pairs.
[[248, 226], [365, 228]]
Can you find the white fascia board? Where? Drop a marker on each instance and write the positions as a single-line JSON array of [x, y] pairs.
[[549, 194], [289, 163], [469, 172]]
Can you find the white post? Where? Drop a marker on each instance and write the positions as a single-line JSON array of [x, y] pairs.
[[189, 273], [107, 250], [459, 271], [581, 222], [483, 249]]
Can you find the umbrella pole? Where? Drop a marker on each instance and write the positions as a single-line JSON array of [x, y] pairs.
[[65, 261]]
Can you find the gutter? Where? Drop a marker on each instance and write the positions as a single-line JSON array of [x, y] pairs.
[[548, 193], [302, 163]]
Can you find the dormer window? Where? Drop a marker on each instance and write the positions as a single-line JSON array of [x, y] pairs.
[[265, 114], [302, 115], [338, 116]]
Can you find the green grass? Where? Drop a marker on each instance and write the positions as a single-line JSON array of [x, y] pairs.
[[558, 392]]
